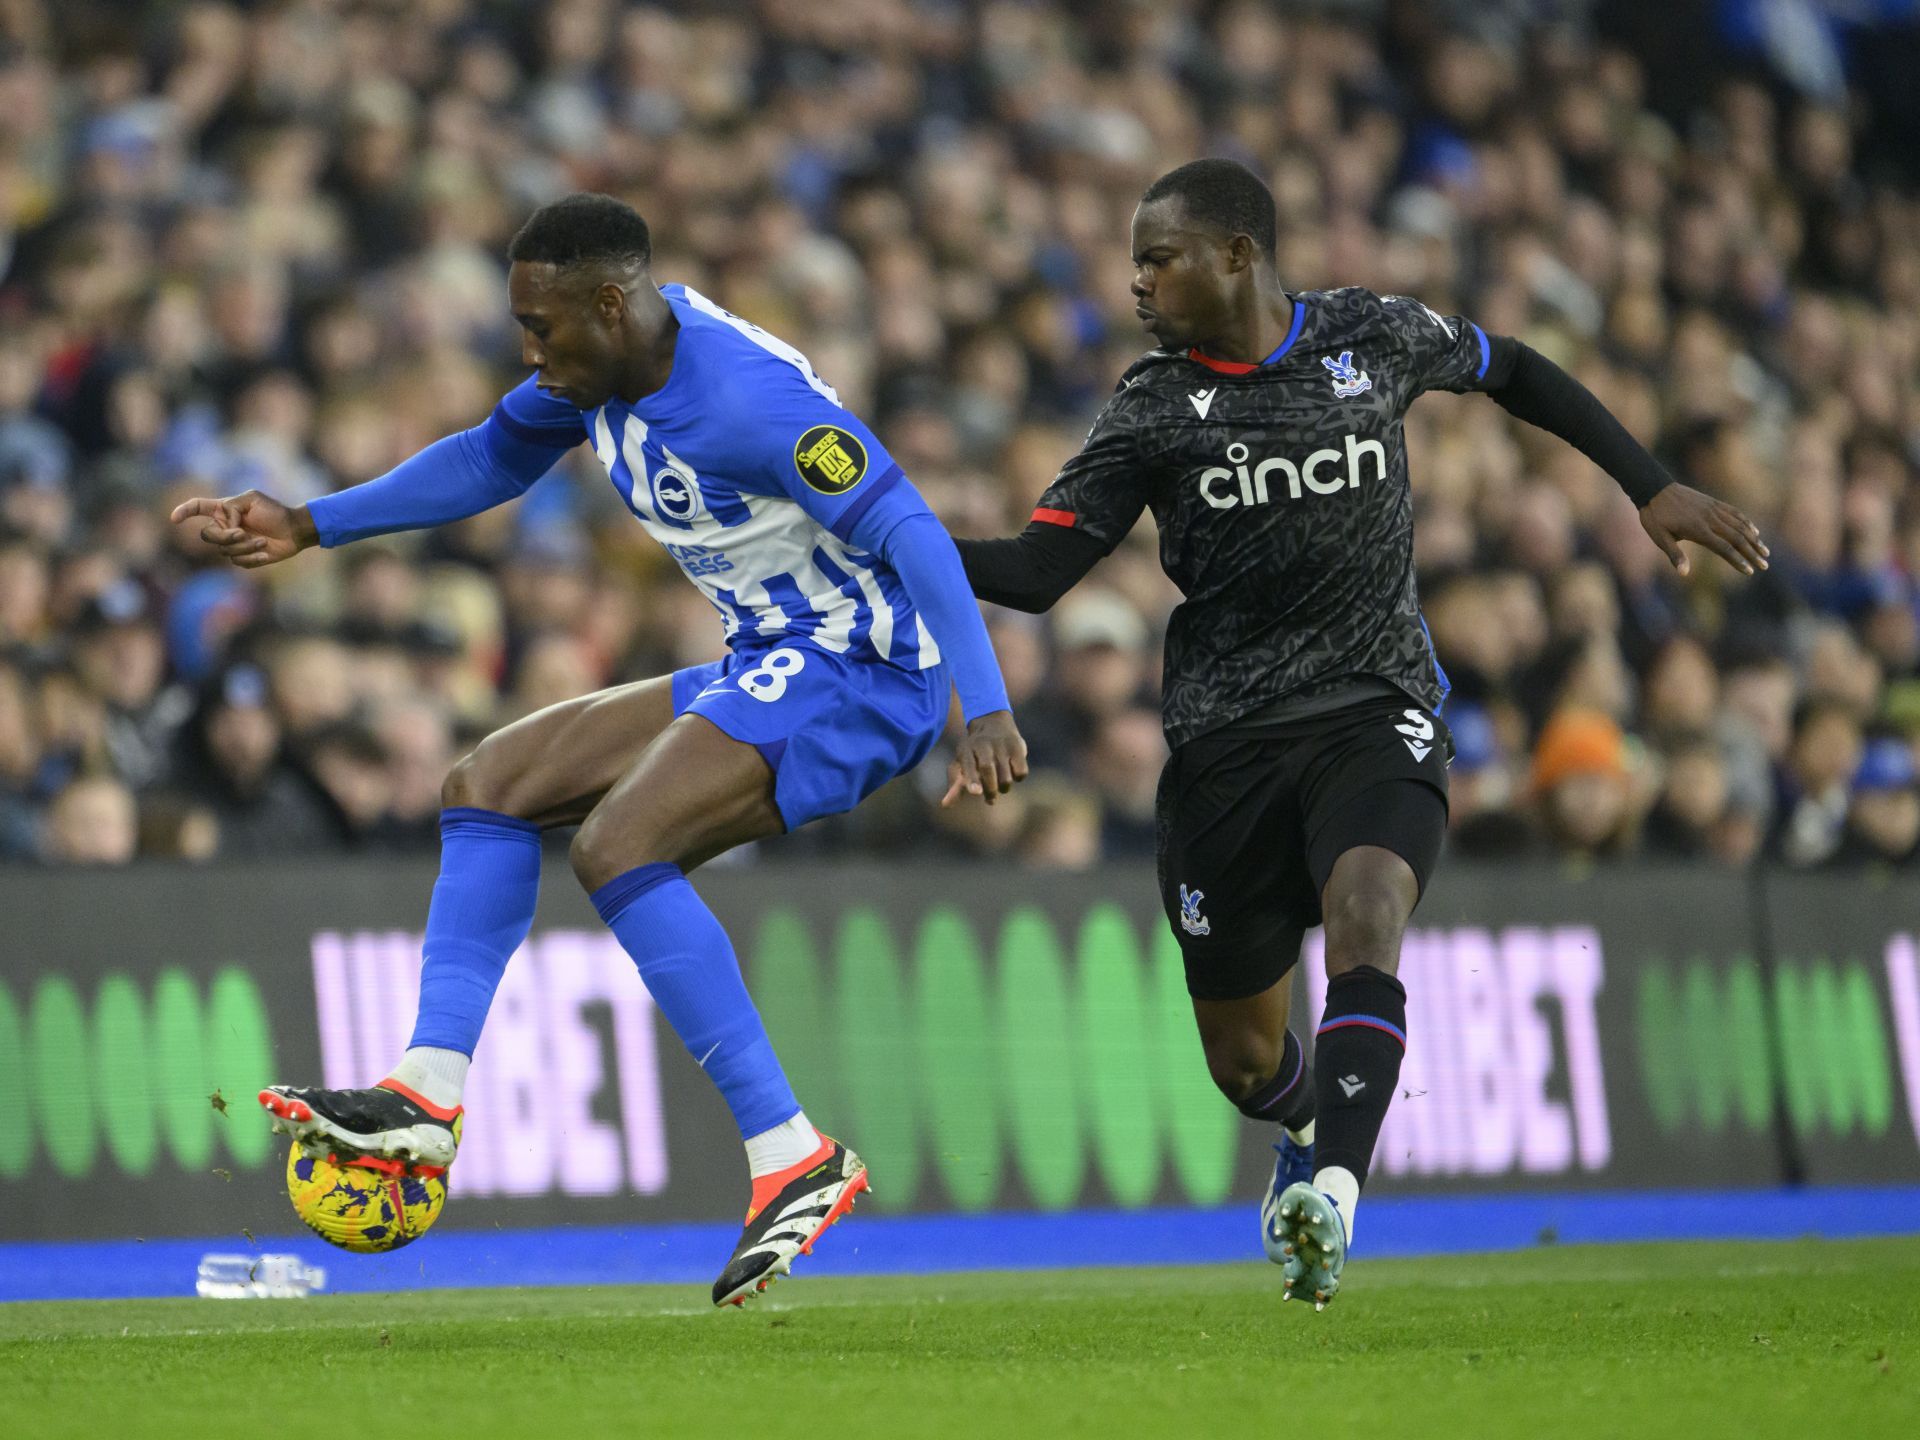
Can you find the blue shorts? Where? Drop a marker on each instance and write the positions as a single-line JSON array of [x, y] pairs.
[[834, 730]]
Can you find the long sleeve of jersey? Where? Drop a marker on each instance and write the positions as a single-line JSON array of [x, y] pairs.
[[472, 470], [1532, 388], [1032, 570], [1091, 505], [898, 527]]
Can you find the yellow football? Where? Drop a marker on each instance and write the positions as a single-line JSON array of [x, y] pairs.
[[363, 1205]]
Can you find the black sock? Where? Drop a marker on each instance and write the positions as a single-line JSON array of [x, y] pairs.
[[1288, 1096], [1356, 1065]]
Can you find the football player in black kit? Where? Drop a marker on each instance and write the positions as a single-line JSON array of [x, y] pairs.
[[1307, 782]]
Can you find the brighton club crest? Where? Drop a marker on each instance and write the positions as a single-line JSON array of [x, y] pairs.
[[1348, 380]]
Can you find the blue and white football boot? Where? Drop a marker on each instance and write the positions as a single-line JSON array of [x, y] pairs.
[[1294, 1167], [1312, 1237]]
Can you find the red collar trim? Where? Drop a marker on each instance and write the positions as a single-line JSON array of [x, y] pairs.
[[1225, 367]]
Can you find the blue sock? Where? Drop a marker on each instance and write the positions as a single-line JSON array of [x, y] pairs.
[[689, 967], [482, 909]]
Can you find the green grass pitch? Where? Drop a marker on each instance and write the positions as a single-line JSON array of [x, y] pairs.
[[1807, 1340]]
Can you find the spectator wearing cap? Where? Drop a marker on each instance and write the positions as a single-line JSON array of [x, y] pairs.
[[1883, 813], [232, 760], [1100, 660], [1581, 786], [121, 656]]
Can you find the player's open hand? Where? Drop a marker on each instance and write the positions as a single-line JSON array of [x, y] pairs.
[[252, 529], [991, 759], [1680, 512]]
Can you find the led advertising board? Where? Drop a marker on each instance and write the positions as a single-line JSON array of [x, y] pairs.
[[989, 1040]]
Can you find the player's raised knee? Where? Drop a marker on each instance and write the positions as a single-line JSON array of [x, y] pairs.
[[495, 776], [1242, 1064], [462, 787], [476, 782]]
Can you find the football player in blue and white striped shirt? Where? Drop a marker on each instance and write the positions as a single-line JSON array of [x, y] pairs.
[[849, 621]]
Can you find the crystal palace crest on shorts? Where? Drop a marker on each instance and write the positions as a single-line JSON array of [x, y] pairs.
[[1191, 920]]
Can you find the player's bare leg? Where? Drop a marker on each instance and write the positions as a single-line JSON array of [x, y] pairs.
[[1368, 898], [548, 769], [552, 767], [693, 794], [1260, 1065]]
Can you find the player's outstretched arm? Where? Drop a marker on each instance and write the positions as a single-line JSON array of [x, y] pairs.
[[1680, 512], [1533, 388], [251, 530], [1091, 505], [1032, 570], [460, 475]]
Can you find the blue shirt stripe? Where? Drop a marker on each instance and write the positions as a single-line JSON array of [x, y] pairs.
[[746, 621], [862, 631], [801, 617]]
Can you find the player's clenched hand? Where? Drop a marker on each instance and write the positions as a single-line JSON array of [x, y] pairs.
[[252, 529], [991, 758], [1680, 512]]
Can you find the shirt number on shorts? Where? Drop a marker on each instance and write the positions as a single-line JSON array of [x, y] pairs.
[[768, 680]]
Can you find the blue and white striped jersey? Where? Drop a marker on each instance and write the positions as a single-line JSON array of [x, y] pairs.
[[746, 467]]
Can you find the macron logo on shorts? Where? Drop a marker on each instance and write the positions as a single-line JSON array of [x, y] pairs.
[[1417, 733]]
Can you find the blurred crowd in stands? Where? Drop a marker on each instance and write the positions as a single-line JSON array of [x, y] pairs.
[[262, 245]]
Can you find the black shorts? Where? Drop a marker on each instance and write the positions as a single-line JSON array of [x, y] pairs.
[[1251, 822]]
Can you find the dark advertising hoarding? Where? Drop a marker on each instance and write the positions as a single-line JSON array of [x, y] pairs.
[[988, 1040]]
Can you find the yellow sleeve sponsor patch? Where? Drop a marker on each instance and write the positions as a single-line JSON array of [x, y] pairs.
[[830, 460]]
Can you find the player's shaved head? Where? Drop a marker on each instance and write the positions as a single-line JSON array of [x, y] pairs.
[[1222, 195], [583, 229]]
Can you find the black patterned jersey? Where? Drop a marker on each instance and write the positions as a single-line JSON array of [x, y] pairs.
[[1281, 494]]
